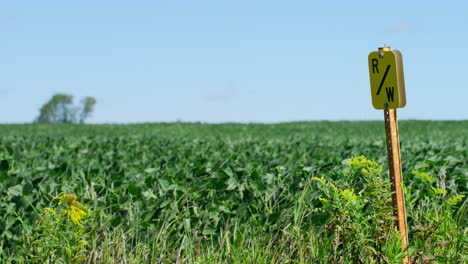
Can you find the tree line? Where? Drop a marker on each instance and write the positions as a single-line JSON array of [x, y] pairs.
[[60, 109]]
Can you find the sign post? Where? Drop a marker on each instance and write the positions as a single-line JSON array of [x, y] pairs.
[[388, 93]]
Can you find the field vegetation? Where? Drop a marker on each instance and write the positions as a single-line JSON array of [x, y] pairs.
[[305, 192]]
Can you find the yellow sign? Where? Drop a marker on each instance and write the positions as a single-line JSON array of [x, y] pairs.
[[386, 78]]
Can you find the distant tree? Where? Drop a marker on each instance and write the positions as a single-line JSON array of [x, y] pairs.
[[57, 110], [87, 108], [60, 109]]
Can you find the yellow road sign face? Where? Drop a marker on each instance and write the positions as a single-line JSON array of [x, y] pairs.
[[386, 79]]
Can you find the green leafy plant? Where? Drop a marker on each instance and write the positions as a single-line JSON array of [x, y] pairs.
[[359, 214], [59, 236], [438, 219]]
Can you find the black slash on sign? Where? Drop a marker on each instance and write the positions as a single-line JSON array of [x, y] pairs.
[[383, 79]]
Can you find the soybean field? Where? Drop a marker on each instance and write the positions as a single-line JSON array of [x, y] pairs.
[[301, 192]]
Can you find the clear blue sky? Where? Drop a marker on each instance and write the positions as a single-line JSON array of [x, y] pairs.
[[230, 61]]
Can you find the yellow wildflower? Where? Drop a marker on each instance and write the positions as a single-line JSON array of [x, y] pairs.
[[50, 210], [74, 209]]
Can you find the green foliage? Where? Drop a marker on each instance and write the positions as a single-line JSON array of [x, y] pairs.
[[59, 236], [60, 109], [360, 223], [438, 220], [87, 108], [235, 193]]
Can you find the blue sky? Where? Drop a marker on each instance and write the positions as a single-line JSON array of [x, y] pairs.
[[229, 61]]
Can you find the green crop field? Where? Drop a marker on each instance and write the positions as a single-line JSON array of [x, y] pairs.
[[305, 192]]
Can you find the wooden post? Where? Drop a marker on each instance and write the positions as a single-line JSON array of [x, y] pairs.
[[396, 178]]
